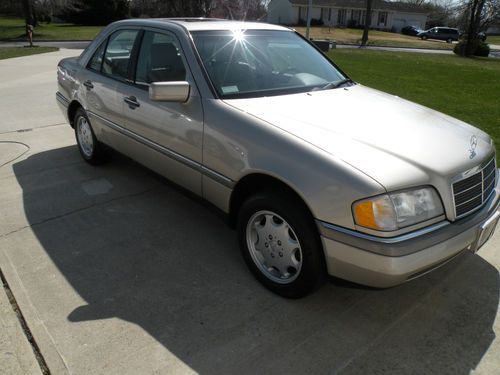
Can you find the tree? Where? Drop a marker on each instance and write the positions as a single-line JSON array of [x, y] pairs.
[[477, 15], [97, 12], [232, 9], [239, 9], [28, 12], [368, 21]]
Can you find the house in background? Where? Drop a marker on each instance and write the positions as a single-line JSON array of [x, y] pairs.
[[494, 28], [386, 15]]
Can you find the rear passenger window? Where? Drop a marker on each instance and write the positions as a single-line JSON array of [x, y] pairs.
[[96, 60], [117, 56], [159, 59]]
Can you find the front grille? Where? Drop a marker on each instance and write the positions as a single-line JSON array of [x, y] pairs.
[[471, 192]]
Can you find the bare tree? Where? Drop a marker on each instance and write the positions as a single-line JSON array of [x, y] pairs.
[[477, 15], [28, 11], [240, 9]]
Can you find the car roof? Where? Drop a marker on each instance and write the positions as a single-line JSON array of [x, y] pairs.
[[197, 24]]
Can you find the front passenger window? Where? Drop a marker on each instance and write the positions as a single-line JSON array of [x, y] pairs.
[[117, 56], [159, 59]]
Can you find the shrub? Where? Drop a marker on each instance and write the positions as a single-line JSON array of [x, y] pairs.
[[351, 24], [316, 22], [481, 49]]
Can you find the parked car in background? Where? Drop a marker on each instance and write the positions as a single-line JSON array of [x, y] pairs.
[[411, 30], [440, 33], [253, 118]]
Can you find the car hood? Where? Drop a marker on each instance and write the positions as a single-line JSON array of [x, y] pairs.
[[396, 142]]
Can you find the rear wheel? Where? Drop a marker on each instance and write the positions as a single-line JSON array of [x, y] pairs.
[[449, 40], [90, 149], [281, 245]]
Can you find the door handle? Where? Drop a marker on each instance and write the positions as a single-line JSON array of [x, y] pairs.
[[88, 84], [132, 102]]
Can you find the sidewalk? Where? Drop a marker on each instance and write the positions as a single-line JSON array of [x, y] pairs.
[[16, 354]]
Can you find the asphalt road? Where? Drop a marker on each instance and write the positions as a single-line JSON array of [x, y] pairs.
[[117, 271]]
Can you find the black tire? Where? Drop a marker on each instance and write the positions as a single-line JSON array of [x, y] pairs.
[[424, 37], [449, 40], [312, 269], [94, 155]]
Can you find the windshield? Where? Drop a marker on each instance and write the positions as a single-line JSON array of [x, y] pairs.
[[255, 63]]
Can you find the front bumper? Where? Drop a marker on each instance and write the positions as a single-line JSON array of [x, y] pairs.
[[385, 262]]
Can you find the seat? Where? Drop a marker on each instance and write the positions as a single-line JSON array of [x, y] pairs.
[[166, 64]]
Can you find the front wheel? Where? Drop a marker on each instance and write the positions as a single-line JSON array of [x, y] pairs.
[[281, 245], [424, 37], [90, 149]]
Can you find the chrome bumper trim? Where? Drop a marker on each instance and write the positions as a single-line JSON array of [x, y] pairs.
[[415, 241], [62, 99], [383, 240]]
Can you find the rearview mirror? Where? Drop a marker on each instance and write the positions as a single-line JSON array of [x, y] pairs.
[[176, 91]]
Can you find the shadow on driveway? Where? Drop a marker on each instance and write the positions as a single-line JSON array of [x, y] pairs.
[[134, 247]]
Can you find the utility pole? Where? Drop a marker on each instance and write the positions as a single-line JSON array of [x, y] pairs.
[[309, 10]]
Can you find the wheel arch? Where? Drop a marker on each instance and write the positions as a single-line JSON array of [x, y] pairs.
[[72, 108], [261, 182]]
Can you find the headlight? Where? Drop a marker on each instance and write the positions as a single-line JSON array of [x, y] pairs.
[[394, 211]]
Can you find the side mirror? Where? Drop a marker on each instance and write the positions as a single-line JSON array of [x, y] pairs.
[[176, 91]]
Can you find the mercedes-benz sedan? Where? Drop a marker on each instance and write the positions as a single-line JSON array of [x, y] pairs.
[[319, 174]]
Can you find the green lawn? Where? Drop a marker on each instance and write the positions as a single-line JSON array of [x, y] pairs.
[[14, 28], [379, 38], [467, 89], [493, 39], [9, 52]]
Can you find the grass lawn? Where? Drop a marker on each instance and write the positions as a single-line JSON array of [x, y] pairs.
[[14, 28], [463, 88], [9, 52], [380, 38], [493, 39]]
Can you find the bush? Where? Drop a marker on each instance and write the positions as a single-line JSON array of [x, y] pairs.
[[482, 49], [316, 22], [351, 24]]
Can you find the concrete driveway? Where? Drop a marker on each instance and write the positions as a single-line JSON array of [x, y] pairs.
[[117, 271]]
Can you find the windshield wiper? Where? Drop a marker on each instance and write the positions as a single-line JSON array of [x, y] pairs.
[[336, 84]]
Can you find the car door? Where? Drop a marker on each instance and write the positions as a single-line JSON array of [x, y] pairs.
[[167, 135], [106, 69]]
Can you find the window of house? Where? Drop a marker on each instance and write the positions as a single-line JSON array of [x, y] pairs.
[[356, 16], [341, 17], [382, 18]]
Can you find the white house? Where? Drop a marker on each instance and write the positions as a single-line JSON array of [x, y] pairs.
[[386, 15]]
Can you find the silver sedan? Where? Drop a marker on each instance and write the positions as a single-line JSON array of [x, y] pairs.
[[320, 175]]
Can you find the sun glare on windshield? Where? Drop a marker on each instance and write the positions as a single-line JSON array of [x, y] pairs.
[[238, 35]]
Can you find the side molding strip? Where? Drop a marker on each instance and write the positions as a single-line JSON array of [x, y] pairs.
[[168, 152]]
